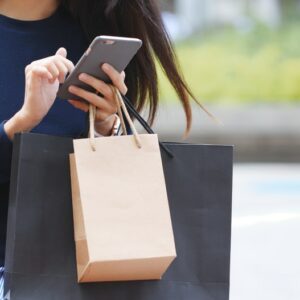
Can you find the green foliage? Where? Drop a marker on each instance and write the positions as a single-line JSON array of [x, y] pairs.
[[261, 65]]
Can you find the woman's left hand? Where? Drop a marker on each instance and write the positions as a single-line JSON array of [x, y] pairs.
[[106, 106]]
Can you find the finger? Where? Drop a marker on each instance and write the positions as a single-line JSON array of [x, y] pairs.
[[67, 63], [52, 68], [63, 70], [115, 77], [123, 74], [80, 105], [41, 71], [90, 97], [97, 84], [102, 116], [61, 52]]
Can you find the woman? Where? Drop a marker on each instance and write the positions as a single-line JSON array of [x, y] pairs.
[[45, 38]]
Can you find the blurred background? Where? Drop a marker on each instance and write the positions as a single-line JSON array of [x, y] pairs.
[[242, 61]]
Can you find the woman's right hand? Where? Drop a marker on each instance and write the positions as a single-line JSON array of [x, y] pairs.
[[42, 81]]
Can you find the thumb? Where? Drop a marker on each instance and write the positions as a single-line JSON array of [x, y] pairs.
[[62, 52]]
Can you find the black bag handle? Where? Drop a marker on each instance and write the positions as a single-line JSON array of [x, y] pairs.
[[134, 112], [144, 124]]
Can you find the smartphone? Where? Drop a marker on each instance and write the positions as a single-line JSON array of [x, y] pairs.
[[116, 51]]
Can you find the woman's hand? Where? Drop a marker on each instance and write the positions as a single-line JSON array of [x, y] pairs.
[[42, 81], [106, 107]]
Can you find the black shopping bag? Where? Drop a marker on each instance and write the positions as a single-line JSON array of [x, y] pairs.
[[40, 250]]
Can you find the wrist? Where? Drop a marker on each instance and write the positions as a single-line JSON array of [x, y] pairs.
[[18, 123], [105, 127]]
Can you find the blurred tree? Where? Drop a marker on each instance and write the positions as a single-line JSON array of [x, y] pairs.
[[290, 9]]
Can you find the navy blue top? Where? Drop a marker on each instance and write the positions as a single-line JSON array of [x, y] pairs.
[[21, 43]]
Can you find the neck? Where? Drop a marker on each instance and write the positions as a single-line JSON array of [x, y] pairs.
[[28, 10]]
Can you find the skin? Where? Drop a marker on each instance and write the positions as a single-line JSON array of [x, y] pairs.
[[44, 75]]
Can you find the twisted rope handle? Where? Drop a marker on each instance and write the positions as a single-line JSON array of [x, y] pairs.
[[92, 116], [119, 98], [119, 110], [121, 107]]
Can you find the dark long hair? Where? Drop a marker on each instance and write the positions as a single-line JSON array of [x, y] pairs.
[[140, 19]]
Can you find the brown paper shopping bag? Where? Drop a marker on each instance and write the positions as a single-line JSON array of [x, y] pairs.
[[122, 221]]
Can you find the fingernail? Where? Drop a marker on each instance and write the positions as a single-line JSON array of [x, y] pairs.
[[71, 88], [105, 67], [82, 76]]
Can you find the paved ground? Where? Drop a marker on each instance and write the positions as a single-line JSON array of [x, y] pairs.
[[266, 233], [259, 132], [266, 200]]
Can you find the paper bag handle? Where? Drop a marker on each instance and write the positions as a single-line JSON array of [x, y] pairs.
[[126, 103], [119, 100], [121, 107], [144, 124]]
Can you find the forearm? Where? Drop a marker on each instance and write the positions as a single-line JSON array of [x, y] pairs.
[[18, 123]]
